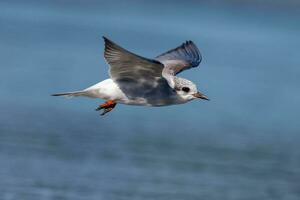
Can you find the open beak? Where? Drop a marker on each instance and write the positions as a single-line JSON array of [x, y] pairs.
[[201, 96]]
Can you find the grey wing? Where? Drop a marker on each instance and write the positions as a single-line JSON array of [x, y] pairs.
[[137, 77], [181, 58]]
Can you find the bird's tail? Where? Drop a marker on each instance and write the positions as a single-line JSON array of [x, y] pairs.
[[71, 94]]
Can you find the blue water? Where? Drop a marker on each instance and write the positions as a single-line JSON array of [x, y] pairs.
[[243, 144]]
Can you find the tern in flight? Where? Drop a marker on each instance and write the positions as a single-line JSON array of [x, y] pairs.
[[136, 80]]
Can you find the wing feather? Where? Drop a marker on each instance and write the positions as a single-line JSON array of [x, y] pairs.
[[181, 58], [126, 64], [137, 77]]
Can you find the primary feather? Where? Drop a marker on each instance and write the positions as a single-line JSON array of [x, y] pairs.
[[181, 58]]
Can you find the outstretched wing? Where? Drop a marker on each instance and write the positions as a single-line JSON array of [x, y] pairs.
[[137, 77], [181, 58], [126, 64]]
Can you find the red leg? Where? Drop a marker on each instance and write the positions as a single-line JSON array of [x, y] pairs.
[[107, 106]]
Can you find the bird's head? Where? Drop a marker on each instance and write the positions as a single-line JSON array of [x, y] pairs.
[[187, 90]]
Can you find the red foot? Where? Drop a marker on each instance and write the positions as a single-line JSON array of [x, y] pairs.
[[107, 106]]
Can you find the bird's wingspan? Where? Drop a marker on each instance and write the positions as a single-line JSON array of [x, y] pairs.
[[181, 58], [137, 77]]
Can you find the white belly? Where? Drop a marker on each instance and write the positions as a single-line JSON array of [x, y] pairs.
[[108, 89]]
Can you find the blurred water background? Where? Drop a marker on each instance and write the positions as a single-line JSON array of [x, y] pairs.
[[243, 144]]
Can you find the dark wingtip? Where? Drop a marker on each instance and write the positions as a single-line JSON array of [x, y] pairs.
[[188, 42], [108, 42], [104, 38]]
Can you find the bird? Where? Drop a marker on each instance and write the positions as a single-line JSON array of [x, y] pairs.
[[136, 80]]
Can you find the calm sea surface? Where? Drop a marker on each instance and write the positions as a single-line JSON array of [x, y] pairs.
[[243, 144]]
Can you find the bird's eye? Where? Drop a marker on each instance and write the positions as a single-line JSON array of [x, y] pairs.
[[185, 89]]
